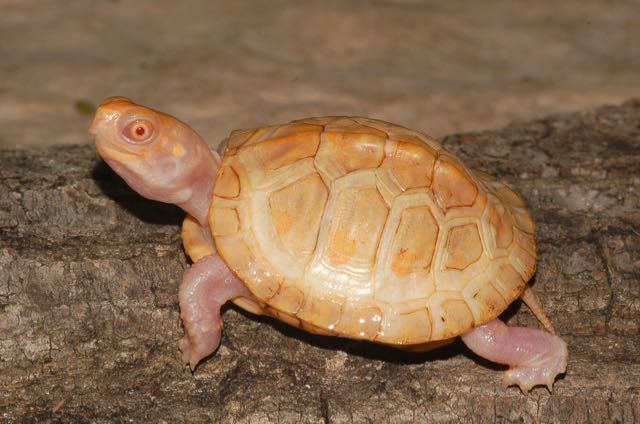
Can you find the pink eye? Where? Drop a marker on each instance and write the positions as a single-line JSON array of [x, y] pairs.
[[138, 131]]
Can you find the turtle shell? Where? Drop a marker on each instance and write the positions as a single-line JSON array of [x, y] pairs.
[[364, 229]]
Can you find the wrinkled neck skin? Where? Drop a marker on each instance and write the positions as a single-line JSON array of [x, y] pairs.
[[200, 187]]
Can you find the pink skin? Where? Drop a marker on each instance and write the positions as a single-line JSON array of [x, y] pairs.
[[163, 159], [535, 357], [172, 165], [206, 286]]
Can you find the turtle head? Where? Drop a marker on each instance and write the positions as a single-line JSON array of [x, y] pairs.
[[159, 156]]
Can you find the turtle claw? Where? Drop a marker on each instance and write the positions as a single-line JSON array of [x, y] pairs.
[[189, 355], [528, 378], [535, 356], [199, 343]]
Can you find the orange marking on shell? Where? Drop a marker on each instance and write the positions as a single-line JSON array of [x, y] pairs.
[[297, 212], [463, 246], [358, 225], [399, 162], [341, 248], [284, 222]]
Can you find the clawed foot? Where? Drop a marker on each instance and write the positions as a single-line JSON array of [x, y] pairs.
[[206, 286], [199, 343], [535, 357], [544, 374]]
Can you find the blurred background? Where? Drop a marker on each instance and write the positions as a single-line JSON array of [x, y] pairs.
[[440, 67]]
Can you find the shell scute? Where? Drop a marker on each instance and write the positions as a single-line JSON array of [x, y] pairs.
[[365, 229], [452, 184]]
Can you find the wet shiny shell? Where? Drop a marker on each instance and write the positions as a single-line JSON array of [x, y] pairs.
[[365, 229]]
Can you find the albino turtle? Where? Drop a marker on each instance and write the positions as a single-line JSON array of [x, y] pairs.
[[341, 226]]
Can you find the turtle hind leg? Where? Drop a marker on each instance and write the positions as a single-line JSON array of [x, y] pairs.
[[535, 357], [205, 287]]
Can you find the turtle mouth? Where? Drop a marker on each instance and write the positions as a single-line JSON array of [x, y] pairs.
[[115, 152]]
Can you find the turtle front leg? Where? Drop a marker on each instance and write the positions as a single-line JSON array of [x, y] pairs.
[[205, 287], [535, 357]]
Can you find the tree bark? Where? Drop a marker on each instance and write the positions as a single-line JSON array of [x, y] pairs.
[[89, 319]]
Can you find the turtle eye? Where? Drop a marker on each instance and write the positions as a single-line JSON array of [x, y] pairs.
[[139, 131]]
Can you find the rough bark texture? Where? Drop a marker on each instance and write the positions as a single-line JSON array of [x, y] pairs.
[[89, 320]]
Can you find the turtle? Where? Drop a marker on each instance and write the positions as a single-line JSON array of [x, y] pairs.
[[341, 226]]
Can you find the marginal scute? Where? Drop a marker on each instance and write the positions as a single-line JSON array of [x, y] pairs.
[[501, 224], [523, 220], [288, 299], [484, 300], [360, 322], [406, 328], [523, 254], [506, 279], [284, 317], [235, 251], [227, 183], [463, 247], [264, 283], [323, 310], [224, 221], [451, 316], [508, 196], [452, 185], [314, 329]]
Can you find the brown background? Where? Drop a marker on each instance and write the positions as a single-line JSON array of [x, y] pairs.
[[441, 67]]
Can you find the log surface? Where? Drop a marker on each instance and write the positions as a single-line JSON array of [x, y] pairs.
[[89, 317]]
